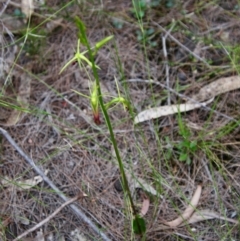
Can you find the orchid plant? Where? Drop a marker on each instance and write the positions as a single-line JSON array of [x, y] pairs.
[[96, 101], [80, 57]]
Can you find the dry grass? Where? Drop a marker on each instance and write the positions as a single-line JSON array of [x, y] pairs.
[[80, 158]]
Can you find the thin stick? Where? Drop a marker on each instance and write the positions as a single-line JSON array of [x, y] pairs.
[[166, 61], [74, 208], [46, 219], [4, 7], [183, 46]]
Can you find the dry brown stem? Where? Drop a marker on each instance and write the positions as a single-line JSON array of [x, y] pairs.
[[47, 219]]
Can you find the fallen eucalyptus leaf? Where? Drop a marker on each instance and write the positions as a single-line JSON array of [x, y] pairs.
[[137, 182], [208, 92], [189, 210], [157, 112], [201, 215], [145, 206], [217, 87]]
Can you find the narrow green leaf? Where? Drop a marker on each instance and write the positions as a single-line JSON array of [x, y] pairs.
[[102, 42]]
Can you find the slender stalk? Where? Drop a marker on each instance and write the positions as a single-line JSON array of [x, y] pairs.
[[109, 125]]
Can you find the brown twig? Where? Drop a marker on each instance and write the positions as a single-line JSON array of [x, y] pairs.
[[47, 219], [182, 46], [166, 61], [74, 208], [4, 7]]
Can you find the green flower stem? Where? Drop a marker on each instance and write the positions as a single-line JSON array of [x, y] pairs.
[[106, 116], [104, 110]]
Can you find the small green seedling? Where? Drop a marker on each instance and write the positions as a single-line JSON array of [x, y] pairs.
[[170, 3], [17, 13], [117, 23], [141, 6], [186, 147], [146, 37]]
